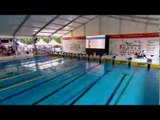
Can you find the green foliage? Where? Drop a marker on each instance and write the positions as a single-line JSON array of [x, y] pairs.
[[58, 40], [45, 39], [27, 40]]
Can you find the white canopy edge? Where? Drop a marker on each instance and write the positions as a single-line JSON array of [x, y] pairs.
[[3, 36]]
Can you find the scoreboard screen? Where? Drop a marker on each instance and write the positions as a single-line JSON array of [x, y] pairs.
[[95, 42]]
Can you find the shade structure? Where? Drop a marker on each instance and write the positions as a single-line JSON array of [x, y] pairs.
[[21, 44], [54, 43], [30, 46], [41, 43], [59, 25]]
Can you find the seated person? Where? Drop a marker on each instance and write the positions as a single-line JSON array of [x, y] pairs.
[[141, 54], [27, 52]]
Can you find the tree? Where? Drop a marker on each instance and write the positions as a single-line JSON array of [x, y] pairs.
[[45, 39], [26, 40], [58, 40]]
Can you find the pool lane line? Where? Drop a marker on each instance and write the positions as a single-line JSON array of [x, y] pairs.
[[1, 87], [22, 81], [115, 90], [34, 79], [26, 73], [29, 69], [65, 85], [46, 81], [23, 73], [24, 59], [86, 89], [15, 72], [19, 67], [127, 84], [25, 63], [13, 61]]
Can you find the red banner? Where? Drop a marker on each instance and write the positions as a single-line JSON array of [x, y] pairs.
[[144, 35], [75, 38], [140, 35]]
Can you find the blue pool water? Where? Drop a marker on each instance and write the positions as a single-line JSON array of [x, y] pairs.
[[49, 80]]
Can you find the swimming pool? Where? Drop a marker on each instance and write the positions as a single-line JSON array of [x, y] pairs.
[[49, 80]]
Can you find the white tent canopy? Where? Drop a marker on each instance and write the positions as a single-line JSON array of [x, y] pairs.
[[41, 43], [30, 46], [41, 25], [53, 43], [21, 44], [58, 25]]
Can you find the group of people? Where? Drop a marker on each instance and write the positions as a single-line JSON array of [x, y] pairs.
[[6, 50], [140, 54]]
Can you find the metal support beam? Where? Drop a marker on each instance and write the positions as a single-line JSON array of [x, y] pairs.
[[84, 30], [46, 25], [159, 54], [35, 46], [132, 19], [146, 25], [14, 46], [22, 23], [51, 32], [61, 25], [81, 25], [120, 25], [86, 18], [46, 28], [140, 17], [66, 25], [70, 20], [29, 26], [100, 25]]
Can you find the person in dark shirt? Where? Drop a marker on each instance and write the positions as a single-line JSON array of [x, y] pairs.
[[141, 54]]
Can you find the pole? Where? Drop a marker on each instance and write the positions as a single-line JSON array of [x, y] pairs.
[[159, 55], [14, 46], [35, 47]]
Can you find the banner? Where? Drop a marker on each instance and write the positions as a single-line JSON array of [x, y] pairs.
[[130, 46], [74, 45]]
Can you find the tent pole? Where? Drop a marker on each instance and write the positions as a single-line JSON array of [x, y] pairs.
[[159, 54], [50, 47], [35, 47], [14, 46]]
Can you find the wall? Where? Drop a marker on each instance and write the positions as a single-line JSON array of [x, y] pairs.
[[104, 25], [79, 31], [68, 35], [133, 43], [92, 27], [74, 45]]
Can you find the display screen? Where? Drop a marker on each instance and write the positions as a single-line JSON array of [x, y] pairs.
[[95, 42]]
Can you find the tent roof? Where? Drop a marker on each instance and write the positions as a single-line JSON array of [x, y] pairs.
[[41, 25], [21, 44], [41, 42], [52, 42], [57, 25]]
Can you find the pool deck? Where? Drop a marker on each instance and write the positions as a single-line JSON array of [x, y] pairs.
[[118, 60]]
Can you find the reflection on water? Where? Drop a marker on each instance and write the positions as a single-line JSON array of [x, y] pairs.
[[43, 65]]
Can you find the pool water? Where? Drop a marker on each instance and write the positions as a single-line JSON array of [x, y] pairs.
[[49, 80]]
